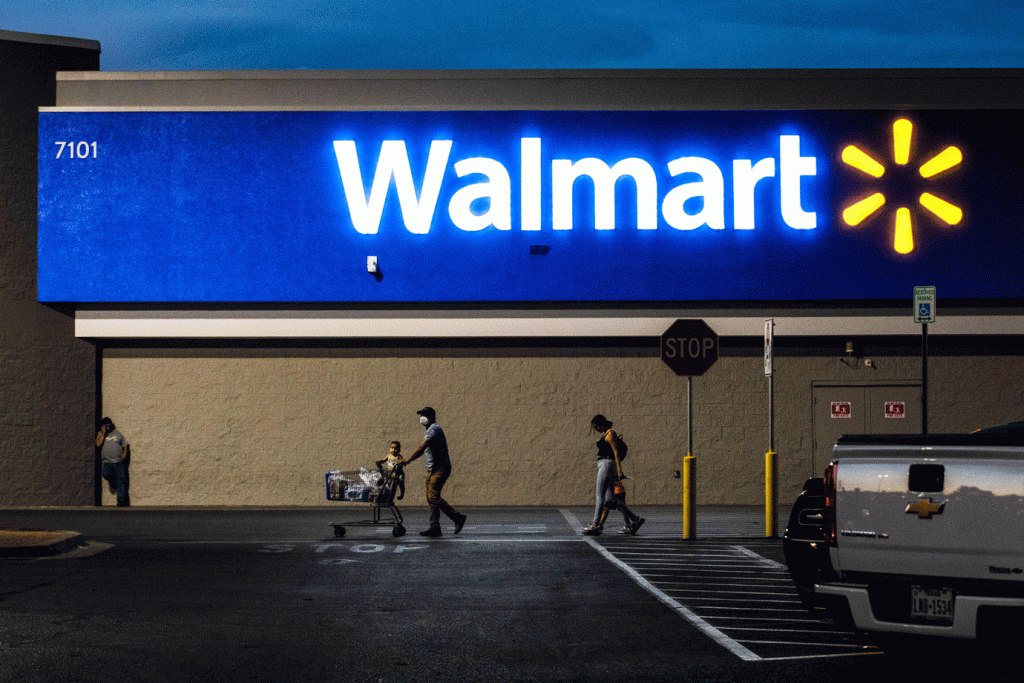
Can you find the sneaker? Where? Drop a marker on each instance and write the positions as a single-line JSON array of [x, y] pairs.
[[626, 530], [592, 531], [432, 532], [460, 521], [635, 527]]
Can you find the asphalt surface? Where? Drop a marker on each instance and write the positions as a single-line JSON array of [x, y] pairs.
[[519, 595]]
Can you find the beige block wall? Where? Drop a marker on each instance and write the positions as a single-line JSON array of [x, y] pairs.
[[250, 427]]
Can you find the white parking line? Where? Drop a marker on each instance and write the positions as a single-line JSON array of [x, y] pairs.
[[725, 567], [760, 560], [749, 601], [775, 610], [788, 630], [703, 591], [701, 625], [727, 584]]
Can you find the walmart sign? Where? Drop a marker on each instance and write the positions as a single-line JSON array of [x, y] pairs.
[[366, 205], [281, 207]]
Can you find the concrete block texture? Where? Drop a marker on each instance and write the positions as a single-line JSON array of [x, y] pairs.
[[250, 427], [48, 399], [47, 410]]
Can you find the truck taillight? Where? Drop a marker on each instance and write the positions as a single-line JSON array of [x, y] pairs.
[[829, 514]]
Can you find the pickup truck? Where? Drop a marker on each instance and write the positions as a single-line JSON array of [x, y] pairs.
[[916, 536]]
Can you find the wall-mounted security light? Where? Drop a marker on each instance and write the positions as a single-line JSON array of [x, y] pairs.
[[850, 359]]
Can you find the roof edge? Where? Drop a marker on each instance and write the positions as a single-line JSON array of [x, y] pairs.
[[42, 39], [526, 74]]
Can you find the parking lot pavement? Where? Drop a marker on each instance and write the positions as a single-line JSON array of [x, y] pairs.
[[735, 594], [750, 607], [733, 587], [518, 595]]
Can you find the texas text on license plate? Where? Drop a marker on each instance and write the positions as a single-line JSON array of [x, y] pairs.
[[933, 604]]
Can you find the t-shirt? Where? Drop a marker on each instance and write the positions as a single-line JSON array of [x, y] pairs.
[[113, 446], [436, 454]]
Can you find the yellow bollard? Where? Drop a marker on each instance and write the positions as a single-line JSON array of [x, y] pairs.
[[689, 497], [770, 530]]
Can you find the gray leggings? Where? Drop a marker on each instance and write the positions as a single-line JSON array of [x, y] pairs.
[[606, 476]]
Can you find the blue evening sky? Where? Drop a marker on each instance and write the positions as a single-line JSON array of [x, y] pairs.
[[441, 34]]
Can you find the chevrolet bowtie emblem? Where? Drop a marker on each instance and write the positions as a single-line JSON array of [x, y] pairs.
[[925, 508]]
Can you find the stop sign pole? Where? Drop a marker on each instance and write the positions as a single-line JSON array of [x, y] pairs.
[[770, 461], [689, 347]]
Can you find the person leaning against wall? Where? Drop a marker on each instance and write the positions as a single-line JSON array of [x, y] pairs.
[[439, 468], [114, 454]]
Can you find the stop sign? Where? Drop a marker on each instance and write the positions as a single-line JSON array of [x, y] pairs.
[[689, 347]]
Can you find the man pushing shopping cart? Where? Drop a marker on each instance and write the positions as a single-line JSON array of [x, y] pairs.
[[434, 449]]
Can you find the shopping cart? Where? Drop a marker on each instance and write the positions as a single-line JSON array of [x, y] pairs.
[[376, 488]]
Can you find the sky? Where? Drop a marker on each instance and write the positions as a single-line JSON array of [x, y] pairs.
[[162, 35]]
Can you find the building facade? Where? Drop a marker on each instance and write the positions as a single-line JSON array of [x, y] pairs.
[[272, 350]]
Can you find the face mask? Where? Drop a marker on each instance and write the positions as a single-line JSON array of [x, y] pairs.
[[424, 421]]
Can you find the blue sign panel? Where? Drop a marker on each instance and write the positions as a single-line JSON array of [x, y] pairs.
[[498, 206]]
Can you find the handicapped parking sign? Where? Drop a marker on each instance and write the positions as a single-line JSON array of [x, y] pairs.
[[924, 304]]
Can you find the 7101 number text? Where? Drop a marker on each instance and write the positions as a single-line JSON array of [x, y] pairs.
[[77, 150]]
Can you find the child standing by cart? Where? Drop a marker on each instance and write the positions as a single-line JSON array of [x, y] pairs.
[[392, 458], [390, 462]]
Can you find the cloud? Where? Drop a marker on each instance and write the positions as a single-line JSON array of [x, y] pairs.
[[427, 34], [432, 34]]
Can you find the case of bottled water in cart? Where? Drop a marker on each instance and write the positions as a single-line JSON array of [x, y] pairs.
[[378, 488]]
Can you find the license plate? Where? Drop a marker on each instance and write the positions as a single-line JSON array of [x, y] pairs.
[[932, 604]]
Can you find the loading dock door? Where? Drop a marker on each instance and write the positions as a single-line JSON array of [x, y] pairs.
[[861, 409]]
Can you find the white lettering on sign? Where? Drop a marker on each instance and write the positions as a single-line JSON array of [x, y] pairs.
[[895, 409], [688, 347], [842, 410], [488, 203]]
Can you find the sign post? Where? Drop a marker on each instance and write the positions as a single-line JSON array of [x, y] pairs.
[[689, 347], [924, 313], [770, 467]]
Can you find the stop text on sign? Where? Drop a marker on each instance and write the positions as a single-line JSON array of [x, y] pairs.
[[694, 347]]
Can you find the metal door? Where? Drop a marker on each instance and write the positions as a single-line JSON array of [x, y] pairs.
[[861, 409], [894, 409]]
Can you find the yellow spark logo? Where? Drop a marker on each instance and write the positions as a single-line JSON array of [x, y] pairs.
[[862, 209]]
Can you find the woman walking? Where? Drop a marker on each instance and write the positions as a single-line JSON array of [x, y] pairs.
[[610, 451]]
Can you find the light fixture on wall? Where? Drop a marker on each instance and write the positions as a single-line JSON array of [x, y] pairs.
[[373, 267], [850, 359]]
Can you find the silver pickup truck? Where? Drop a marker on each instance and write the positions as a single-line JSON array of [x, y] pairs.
[[916, 535]]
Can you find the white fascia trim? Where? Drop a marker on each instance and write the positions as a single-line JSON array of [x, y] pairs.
[[407, 324]]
